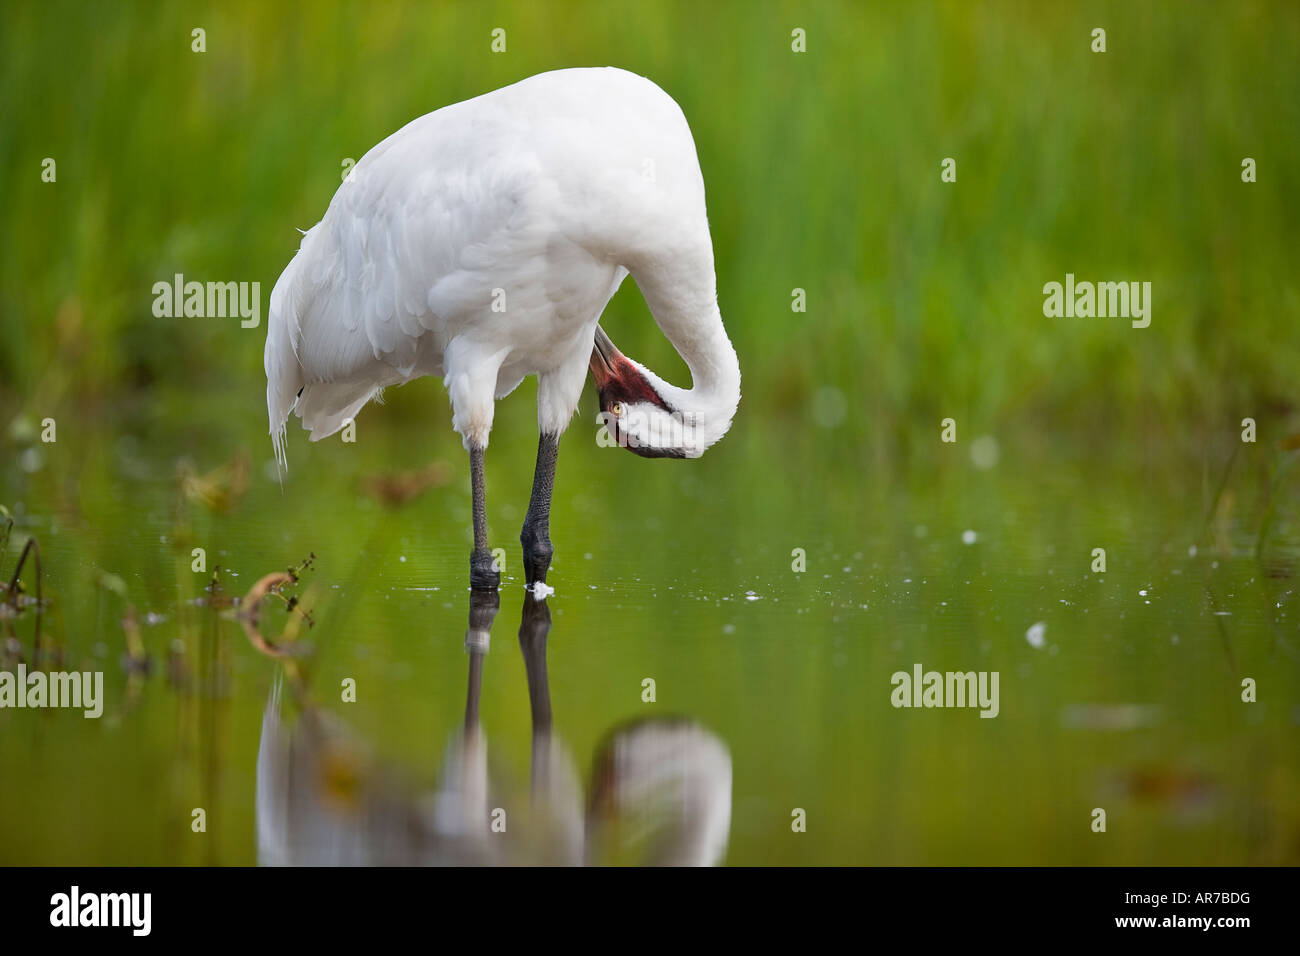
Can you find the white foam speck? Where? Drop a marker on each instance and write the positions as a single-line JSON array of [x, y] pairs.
[[969, 537], [1037, 634]]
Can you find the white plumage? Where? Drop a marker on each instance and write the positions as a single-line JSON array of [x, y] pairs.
[[481, 243], [536, 199]]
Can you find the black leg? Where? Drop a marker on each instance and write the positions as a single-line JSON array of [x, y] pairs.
[[482, 609], [534, 626], [536, 536], [482, 576]]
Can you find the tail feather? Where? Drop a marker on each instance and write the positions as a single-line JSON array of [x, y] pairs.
[[343, 372], [284, 381]]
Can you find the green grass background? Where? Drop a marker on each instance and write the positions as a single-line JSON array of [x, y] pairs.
[[822, 169]]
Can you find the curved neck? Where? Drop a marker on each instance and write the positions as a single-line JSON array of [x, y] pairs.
[[686, 310]]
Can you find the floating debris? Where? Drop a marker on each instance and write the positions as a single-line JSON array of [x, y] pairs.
[[273, 585], [15, 600], [969, 537], [1037, 634]]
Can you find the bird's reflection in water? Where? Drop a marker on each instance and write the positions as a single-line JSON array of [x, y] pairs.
[[660, 790]]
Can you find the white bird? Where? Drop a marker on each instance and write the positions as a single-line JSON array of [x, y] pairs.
[[481, 243]]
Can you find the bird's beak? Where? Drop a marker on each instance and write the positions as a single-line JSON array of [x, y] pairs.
[[603, 356]]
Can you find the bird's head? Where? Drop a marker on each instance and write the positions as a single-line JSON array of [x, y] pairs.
[[646, 415]]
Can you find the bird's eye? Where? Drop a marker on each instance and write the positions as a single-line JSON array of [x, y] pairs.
[[617, 409]]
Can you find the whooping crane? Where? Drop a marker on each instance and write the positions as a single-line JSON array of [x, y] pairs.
[[481, 243]]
